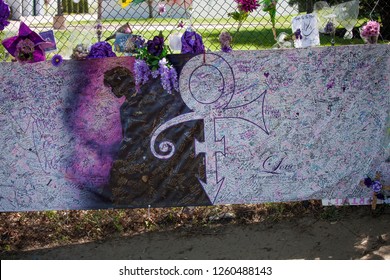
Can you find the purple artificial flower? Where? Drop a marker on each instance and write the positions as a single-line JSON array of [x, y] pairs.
[[4, 14], [161, 8], [168, 75], [226, 49], [155, 46], [141, 73], [192, 43], [247, 6], [28, 46], [139, 42], [101, 50], [98, 26], [376, 186], [225, 39], [57, 60], [329, 27]]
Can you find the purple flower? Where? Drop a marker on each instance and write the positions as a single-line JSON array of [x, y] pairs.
[[372, 28], [57, 60], [4, 14], [192, 43], [376, 186], [181, 24], [101, 50], [161, 8], [247, 6], [225, 39], [28, 46], [98, 26], [298, 34], [141, 73], [155, 46], [226, 49], [368, 181], [329, 27], [168, 75]]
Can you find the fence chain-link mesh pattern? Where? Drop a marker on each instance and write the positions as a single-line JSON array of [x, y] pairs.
[[74, 21]]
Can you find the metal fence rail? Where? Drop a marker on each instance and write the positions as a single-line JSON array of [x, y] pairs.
[[74, 21]]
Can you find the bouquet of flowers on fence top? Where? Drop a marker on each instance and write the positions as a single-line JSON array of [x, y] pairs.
[[370, 32], [244, 8], [151, 62]]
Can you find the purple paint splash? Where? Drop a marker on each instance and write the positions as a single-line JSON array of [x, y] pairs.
[[97, 132]]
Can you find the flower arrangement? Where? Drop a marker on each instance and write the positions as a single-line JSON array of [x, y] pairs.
[[27, 46], [370, 32], [151, 62], [244, 8]]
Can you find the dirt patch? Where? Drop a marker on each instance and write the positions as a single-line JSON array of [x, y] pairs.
[[273, 231]]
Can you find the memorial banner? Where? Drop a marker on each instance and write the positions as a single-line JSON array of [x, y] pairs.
[[246, 127]]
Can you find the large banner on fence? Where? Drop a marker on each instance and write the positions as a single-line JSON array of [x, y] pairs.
[[246, 127]]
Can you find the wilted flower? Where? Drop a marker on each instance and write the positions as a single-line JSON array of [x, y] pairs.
[[225, 39], [24, 50]]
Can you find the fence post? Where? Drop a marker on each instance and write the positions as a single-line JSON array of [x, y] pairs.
[[99, 15], [59, 21]]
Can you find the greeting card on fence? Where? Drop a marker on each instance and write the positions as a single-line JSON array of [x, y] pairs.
[[307, 24]]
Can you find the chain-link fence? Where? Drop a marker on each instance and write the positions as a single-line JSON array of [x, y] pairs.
[[75, 21]]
